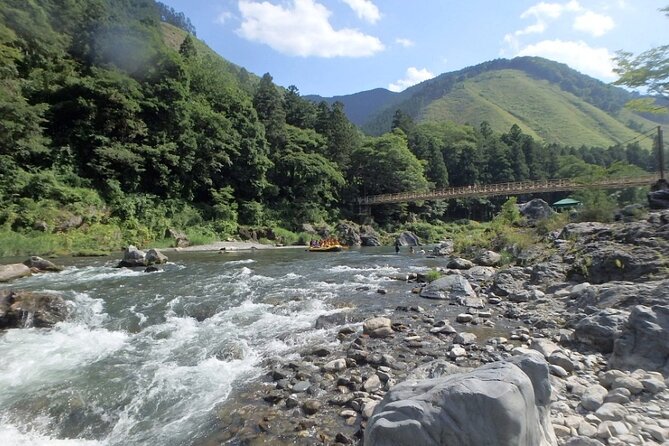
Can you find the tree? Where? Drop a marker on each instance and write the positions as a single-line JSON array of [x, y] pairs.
[[269, 106], [649, 70], [386, 165]]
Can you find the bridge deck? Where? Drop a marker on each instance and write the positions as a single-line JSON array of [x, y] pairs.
[[518, 188]]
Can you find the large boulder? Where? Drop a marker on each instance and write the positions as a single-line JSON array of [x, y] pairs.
[[408, 239], [536, 209], [13, 271], [658, 199], [453, 287], [369, 237], [72, 222], [601, 328], [605, 262], [133, 257], [510, 281], [26, 309], [505, 403], [153, 256], [40, 264], [348, 233], [644, 342], [488, 258], [445, 248], [180, 239]]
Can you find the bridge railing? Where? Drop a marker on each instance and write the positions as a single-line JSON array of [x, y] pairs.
[[515, 188]]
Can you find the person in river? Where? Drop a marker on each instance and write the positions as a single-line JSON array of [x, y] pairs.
[[397, 246]]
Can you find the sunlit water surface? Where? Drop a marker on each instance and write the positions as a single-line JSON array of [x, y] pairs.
[[148, 358]]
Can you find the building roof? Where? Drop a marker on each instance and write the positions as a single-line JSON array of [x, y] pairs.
[[567, 202]]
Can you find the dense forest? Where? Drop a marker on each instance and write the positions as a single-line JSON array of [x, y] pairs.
[[115, 126]]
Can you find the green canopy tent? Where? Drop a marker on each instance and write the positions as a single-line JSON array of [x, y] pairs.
[[566, 203]]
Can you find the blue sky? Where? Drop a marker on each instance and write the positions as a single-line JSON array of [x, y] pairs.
[[333, 47]]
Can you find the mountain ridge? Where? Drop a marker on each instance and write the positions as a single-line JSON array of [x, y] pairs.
[[586, 94]]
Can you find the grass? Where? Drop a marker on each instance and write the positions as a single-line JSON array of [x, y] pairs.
[[540, 109]]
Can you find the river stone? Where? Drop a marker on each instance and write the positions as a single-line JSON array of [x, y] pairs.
[[13, 271], [335, 365], [510, 399], [488, 258], [26, 309], [153, 256], [611, 412], [601, 328], [453, 287], [583, 441], [38, 263], [310, 407], [645, 341], [133, 257], [372, 383], [459, 263], [510, 281], [593, 397], [377, 327], [629, 383], [465, 338], [301, 386], [619, 395]]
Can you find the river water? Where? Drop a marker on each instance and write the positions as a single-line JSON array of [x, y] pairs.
[[149, 359]]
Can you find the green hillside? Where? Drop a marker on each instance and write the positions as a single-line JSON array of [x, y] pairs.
[[538, 107]]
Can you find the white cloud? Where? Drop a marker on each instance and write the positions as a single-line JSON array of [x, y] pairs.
[[579, 55], [302, 28], [593, 23], [545, 11], [413, 77], [406, 43], [542, 13], [223, 17], [365, 10]]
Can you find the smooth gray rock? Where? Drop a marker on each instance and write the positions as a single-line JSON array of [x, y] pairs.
[[536, 209], [601, 329], [593, 397], [645, 341], [488, 258], [133, 257], [408, 239], [38, 263], [13, 271], [454, 287], [510, 400], [153, 256], [377, 327], [459, 263]]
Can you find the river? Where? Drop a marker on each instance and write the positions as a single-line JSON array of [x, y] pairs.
[[149, 358]]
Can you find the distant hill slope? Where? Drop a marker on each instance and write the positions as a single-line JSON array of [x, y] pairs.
[[173, 37], [547, 99], [360, 106]]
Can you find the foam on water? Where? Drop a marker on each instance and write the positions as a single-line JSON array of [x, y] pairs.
[[161, 383], [12, 435]]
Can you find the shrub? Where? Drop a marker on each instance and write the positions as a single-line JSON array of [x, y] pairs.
[[432, 275]]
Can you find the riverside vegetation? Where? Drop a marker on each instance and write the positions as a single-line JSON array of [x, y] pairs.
[[118, 125]]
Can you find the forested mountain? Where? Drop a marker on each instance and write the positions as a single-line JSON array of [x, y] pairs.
[[548, 100], [116, 124]]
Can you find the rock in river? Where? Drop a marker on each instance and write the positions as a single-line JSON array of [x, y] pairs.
[[25, 309], [13, 271]]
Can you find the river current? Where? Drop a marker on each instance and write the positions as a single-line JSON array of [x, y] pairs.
[[149, 358]]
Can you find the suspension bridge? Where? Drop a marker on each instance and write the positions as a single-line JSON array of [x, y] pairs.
[[517, 188]]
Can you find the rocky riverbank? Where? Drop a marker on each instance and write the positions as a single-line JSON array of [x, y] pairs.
[[592, 303]]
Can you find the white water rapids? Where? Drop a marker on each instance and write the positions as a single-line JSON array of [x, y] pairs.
[[146, 359]]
